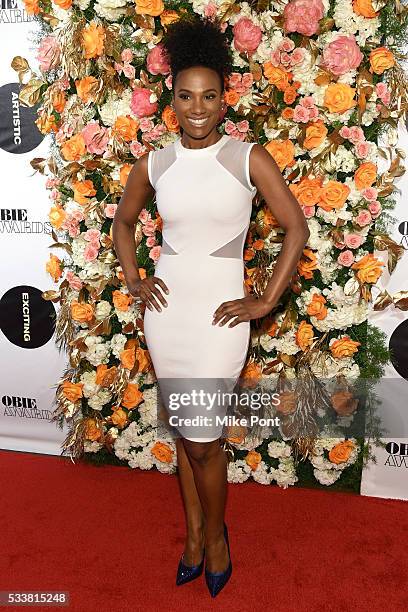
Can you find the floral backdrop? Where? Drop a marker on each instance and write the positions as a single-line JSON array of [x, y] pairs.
[[316, 82]]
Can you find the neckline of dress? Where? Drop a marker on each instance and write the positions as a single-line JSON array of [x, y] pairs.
[[203, 150]]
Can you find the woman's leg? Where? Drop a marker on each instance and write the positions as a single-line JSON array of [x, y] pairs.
[[193, 550], [209, 466]]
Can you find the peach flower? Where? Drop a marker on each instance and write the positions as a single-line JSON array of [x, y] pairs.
[[72, 391], [339, 97], [381, 59], [93, 40], [303, 16], [368, 268], [96, 138], [316, 132], [157, 61], [316, 308], [149, 7], [140, 103], [307, 264], [364, 8], [282, 151], [344, 347], [365, 175], [333, 195], [346, 258], [342, 55], [82, 312], [53, 267], [253, 459], [162, 451], [49, 53], [87, 88], [304, 335], [74, 148], [247, 36], [132, 396], [341, 452]]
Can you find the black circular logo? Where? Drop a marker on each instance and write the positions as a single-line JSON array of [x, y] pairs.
[[26, 319], [18, 132], [399, 346]]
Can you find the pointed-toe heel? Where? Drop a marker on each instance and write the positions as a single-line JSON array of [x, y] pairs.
[[217, 580], [187, 573]]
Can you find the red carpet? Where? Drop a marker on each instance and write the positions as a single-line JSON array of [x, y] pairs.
[[112, 538]]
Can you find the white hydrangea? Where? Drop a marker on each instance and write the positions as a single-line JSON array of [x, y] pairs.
[[324, 365], [83, 4], [351, 23], [99, 399], [262, 475], [111, 10], [98, 351], [118, 342], [238, 471], [89, 381], [284, 344], [277, 449], [115, 106], [102, 310], [148, 408]]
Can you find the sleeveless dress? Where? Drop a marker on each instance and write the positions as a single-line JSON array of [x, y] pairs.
[[204, 197]]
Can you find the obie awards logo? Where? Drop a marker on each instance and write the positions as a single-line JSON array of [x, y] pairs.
[[397, 454], [18, 132], [26, 319]]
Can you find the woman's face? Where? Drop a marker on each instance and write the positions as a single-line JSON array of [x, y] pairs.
[[198, 95]]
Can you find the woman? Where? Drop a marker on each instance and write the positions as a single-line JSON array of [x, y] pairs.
[[197, 322]]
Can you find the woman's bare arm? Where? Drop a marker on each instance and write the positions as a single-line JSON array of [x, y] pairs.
[[137, 191], [267, 177]]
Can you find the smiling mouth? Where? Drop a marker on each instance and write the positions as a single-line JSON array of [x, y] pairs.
[[198, 122]]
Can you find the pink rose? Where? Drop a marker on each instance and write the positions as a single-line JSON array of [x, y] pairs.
[[297, 56], [313, 113], [342, 55], [140, 103], [346, 258], [146, 124], [383, 93], [49, 53], [356, 134], [309, 211], [144, 215], [363, 218], [154, 253], [74, 281], [110, 210], [210, 10], [90, 252], [93, 235], [375, 208], [129, 71], [127, 55], [156, 61], [370, 193], [149, 228], [286, 44], [151, 241], [353, 241], [303, 16], [169, 81], [345, 132], [300, 114], [363, 149], [247, 36], [243, 126], [137, 149], [308, 102], [96, 138]]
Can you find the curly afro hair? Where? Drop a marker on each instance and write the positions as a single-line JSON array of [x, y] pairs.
[[197, 41]]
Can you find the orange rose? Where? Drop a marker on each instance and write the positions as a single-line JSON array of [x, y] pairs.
[[271, 331], [82, 312], [46, 124], [316, 308], [276, 76], [287, 402], [381, 59], [104, 375], [53, 267], [251, 373], [315, 134], [290, 95], [307, 191], [124, 173], [258, 245], [57, 216], [170, 119], [333, 195], [132, 396], [72, 391], [304, 335], [162, 452], [64, 4], [121, 301], [127, 358], [253, 459], [168, 16], [74, 148], [231, 97], [282, 151], [93, 430], [287, 113], [149, 7], [364, 8], [307, 264], [126, 127], [344, 347], [32, 7], [341, 452], [83, 190], [369, 268], [339, 97], [87, 88], [93, 40], [59, 101], [119, 417], [365, 175], [143, 359], [344, 403]]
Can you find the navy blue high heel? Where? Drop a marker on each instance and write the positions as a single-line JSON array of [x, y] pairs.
[[217, 580], [186, 573]]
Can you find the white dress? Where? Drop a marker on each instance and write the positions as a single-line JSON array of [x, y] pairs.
[[204, 197]]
